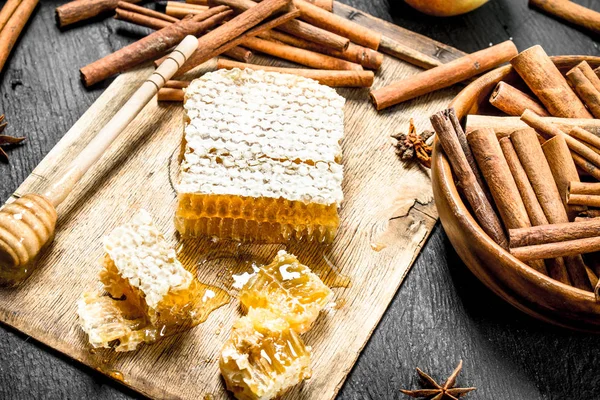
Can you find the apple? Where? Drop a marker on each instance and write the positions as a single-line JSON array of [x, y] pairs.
[[445, 8]]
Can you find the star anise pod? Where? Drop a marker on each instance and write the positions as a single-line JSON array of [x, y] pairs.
[[413, 145], [434, 391], [7, 140]]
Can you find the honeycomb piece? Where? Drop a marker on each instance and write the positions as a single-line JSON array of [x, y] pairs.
[[150, 294], [263, 357], [260, 158], [288, 289]]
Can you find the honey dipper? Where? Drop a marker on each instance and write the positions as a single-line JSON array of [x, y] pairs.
[[27, 225]]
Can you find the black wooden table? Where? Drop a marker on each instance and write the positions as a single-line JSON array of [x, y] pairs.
[[440, 315]]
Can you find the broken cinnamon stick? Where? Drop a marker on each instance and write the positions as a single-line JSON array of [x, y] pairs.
[[563, 170], [483, 210], [294, 27], [571, 12], [124, 5], [368, 58], [151, 46], [7, 10], [503, 187], [548, 84], [228, 36], [300, 56], [80, 10], [330, 78], [540, 176], [514, 102], [11, 31], [586, 90], [443, 76], [504, 126], [339, 25]]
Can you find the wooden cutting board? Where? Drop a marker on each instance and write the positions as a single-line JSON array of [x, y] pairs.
[[386, 216]]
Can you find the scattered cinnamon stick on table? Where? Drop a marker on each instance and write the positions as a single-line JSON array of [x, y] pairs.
[[571, 12], [124, 5], [294, 27], [503, 187], [514, 102], [235, 32], [80, 10], [300, 56], [15, 24], [151, 46], [548, 84], [482, 208], [443, 76], [7, 10], [366, 57]]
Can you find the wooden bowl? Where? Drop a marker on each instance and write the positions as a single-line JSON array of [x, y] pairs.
[[520, 285]]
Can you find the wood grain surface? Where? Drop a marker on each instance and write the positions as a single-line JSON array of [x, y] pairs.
[[441, 314]]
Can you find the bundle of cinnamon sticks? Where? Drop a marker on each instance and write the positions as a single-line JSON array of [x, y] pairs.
[[531, 180]]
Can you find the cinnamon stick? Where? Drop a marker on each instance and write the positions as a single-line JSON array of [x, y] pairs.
[[565, 249], [140, 19], [586, 137], [175, 84], [200, 2], [589, 73], [571, 12], [151, 46], [294, 27], [339, 25], [228, 36], [563, 170], [15, 24], [512, 101], [239, 53], [549, 130], [368, 58], [80, 10], [585, 165], [7, 10], [548, 84], [330, 78], [504, 126], [180, 10], [584, 199], [540, 176], [585, 90], [300, 56], [577, 187], [443, 76], [324, 4], [401, 51], [124, 5], [483, 210], [498, 176], [170, 94]]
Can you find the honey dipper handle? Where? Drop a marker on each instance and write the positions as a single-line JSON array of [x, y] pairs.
[[60, 189]]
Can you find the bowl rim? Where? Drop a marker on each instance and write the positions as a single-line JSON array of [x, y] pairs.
[[463, 103]]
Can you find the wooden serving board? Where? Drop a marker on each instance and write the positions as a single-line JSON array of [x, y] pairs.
[[386, 216]]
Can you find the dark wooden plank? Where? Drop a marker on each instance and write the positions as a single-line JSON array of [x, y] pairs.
[[441, 313]]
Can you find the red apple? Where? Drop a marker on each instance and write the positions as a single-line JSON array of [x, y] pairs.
[[445, 8]]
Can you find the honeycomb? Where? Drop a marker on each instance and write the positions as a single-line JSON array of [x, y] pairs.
[[261, 159], [263, 357], [149, 293], [288, 289]]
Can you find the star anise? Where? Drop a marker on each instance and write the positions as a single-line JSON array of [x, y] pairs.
[[7, 140], [433, 391], [413, 145]]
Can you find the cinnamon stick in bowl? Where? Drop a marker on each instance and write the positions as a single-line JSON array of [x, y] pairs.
[[548, 84], [586, 90], [514, 102], [443, 76]]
